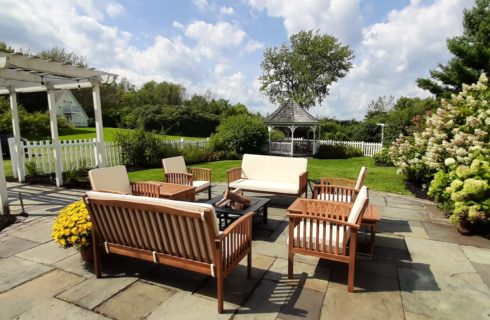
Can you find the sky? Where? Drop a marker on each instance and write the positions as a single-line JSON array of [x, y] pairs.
[[218, 46]]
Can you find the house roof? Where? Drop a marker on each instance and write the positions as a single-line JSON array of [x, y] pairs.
[[291, 113]]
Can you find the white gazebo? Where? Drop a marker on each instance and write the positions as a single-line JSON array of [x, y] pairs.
[[292, 116], [20, 73]]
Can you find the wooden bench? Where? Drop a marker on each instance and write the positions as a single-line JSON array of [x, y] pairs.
[[174, 233]]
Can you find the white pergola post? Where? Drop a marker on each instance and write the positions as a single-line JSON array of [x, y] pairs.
[[269, 128], [99, 127], [19, 150], [292, 128], [53, 121]]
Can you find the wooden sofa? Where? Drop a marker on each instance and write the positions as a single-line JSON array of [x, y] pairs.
[[327, 230], [270, 174], [175, 233]]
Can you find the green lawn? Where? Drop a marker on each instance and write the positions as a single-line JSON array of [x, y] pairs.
[[378, 178], [109, 134]]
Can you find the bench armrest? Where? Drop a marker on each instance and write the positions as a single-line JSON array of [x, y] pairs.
[[202, 174], [234, 174], [334, 193], [234, 242], [338, 182], [147, 189], [179, 178], [303, 184]]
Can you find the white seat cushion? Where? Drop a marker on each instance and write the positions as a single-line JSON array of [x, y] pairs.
[[174, 165], [356, 210], [320, 236], [110, 179], [334, 197], [265, 186], [200, 185]]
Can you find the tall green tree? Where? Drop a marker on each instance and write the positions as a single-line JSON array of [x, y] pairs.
[[304, 70], [6, 48], [471, 54]]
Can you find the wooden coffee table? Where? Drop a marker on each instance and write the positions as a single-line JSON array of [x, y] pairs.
[[226, 215], [176, 191]]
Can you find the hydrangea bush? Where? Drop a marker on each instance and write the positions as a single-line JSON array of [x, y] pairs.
[[73, 227], [451, 154]]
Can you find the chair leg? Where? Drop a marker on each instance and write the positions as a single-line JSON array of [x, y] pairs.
[[209, 193], [249, 264], [352, 270], [290, 264], [219, 285]]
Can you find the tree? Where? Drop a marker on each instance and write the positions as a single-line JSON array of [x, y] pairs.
[[381, 105], [6, 48], [304, 70], [58, 54], [471, 54]]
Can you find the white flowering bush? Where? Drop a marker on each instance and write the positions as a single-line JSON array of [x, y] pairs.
[[451, 154]]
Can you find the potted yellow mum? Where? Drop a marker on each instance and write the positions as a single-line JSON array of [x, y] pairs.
[[73, 228]]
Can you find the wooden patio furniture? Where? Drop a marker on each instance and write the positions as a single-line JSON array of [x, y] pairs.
[[327, 230], [176, 172], [175, 233], [339, 189], [116, 180]]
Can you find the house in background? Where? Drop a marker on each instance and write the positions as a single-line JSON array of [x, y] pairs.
[[67, 105]]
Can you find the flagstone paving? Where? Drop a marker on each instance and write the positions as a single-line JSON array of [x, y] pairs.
[[423, 269]]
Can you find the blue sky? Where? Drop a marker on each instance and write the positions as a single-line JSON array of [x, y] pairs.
[[217, 46]]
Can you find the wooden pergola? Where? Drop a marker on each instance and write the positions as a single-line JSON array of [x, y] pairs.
[[21, 74]]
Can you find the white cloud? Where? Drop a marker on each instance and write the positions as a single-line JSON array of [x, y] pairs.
[[253, 45], [340, 18], [114, 9], [226, 10], [201, 4], [177, 25]]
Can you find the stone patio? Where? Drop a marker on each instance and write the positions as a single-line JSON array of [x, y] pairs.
[[423, 269]]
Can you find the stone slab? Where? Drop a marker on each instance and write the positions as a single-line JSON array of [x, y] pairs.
[[402, 228], [478, 255], [93, 292], [266, 300], [38, 291], [314, 277], [483, 271], [47, 253], [56, 309], [260, 265], [176, 279], [13, 245], [412, 214], [376, 293], [449, 233], [74, 264], [438, 257], [304, 304], [389, 240], [436, 296], [184, 306], [15, 271], [136, 302]]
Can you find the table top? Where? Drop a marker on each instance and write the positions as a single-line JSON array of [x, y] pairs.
[[171, 189], [256, 204], [371, 215]]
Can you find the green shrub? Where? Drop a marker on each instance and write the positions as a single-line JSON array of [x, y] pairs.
[[382, 158], [240, 134], [143, 149], [276, 135], [337, 151], [31, 169]]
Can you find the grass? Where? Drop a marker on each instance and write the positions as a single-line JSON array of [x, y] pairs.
[[378, 178], [109, 134]]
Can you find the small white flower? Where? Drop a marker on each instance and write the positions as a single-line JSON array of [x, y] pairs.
[[449, 161]]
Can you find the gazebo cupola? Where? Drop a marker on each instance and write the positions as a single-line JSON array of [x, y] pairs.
[[291, 116]]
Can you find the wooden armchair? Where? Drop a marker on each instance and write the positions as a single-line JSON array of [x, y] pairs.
[[116, 180], [327, 230], [176, 172], [179, 234], [339, 189]]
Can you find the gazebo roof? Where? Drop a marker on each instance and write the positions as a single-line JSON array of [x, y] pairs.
[[22, 73], [291, 114]]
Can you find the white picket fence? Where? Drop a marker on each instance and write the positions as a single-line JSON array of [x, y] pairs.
[[369, 149], [75, 154], [181, 143]]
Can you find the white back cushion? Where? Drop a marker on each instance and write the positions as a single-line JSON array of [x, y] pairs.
[[110, 178], [182, 205], [361, 199], [270, 168], [360, 178], [174, 165]]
